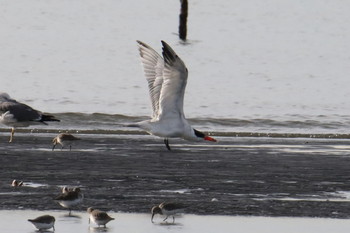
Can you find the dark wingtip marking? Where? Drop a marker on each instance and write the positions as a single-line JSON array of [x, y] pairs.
[[168, 53], [142, 44]]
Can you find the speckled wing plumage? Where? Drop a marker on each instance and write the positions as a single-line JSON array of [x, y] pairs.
[[100, 215]]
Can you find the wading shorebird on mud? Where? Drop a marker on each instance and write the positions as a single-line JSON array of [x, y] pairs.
[[43, 222], [68, 199], [167, 209], [64, 139], [167, 79], [101, 218]]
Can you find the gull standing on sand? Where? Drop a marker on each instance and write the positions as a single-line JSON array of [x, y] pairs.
[[43, 222], [69, 199], [64, 139], [99, 217], [168, 209], [16, 114], [167, 79]]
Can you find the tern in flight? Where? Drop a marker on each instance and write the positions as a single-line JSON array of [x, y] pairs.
[[167, 79]]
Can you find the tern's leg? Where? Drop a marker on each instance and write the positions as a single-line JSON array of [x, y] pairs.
[[70, 147], [166, 142], [12, 133]]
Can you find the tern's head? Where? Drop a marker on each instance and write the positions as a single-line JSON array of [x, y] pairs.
[[201, 135]]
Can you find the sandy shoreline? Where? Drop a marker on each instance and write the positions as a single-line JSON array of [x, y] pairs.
[[16, 221], [128, 173]]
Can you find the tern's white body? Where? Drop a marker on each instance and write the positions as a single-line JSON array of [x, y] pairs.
[[166, 128], [167, 79]]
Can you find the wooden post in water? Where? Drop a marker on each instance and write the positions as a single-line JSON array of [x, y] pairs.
[[183, 20]]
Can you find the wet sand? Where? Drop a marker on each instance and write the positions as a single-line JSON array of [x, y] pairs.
[[131, 173], [16, 221]]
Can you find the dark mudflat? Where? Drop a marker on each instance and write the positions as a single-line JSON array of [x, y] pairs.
[[237, 176]]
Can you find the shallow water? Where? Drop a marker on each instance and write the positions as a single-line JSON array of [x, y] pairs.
[[272, 66], [16, 221], [101, 124]]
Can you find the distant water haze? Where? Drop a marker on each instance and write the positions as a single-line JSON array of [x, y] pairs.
[[275, 61]]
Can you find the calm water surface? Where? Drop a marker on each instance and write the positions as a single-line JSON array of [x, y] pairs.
[[258, 67]]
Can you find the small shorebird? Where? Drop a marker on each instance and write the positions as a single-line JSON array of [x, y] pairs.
[[99, 217], [168, 209], [70, 199], [167, 79], [17, 183], [64, 139], [43, 222], [16, 114], [65, 189]]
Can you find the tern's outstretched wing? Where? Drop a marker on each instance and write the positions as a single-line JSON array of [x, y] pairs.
[[174, 84], [167, 79], [153, 66]]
